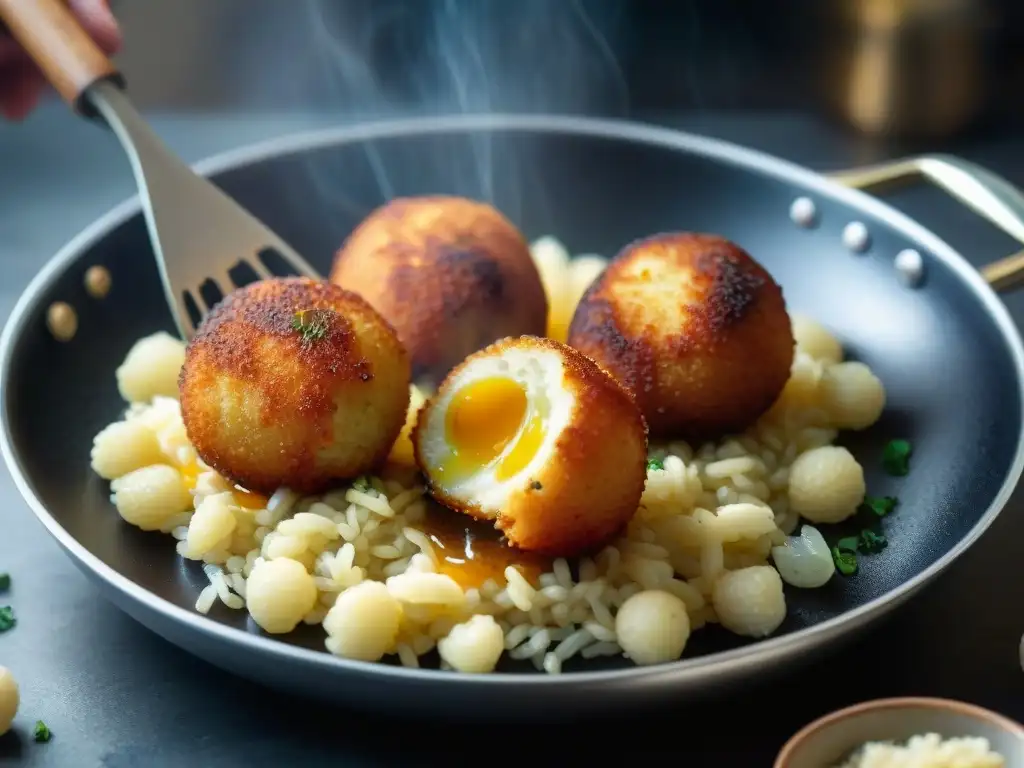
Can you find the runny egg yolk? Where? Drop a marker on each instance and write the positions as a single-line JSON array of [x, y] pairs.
[[242, 497], [190, 474], [483, 420], [249, 499]]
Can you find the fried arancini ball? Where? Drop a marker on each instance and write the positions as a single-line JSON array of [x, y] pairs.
[[450, 274], [694, 328], [293, 382], [532, 435]]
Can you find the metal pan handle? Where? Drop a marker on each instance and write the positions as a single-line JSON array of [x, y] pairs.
[[989, 195]]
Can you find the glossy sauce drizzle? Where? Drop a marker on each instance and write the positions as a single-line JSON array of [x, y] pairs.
[[243, 498], [473, 551], [249, 499]]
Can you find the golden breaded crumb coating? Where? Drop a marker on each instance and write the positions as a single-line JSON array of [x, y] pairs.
[[584, 473], [450, 274], [694, 328], [293, 382]]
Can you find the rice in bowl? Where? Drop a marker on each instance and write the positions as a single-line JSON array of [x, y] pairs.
[[388, 574], [929, 750]]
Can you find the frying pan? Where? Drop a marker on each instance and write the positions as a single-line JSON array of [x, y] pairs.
[[943, 344]]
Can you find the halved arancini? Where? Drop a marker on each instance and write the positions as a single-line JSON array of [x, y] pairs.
[[293, 382], [450, 274], [694, 327], [531, 434]]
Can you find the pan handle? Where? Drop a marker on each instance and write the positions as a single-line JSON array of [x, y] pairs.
[[989, 195], [52, 36]]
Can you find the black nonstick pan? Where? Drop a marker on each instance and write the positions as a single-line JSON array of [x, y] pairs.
[[898, 297]]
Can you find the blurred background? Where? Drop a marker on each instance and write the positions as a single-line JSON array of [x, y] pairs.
[[926, 68], [826, 84], [923, 68]]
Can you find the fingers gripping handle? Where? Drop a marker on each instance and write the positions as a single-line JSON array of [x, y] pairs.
[[52, 36]]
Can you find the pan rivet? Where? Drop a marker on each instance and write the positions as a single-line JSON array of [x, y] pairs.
[[97, 281], [856, 237], [910, 266], [803, 212], [62, 321]]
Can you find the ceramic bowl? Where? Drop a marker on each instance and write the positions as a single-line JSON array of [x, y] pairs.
[[831, 739]]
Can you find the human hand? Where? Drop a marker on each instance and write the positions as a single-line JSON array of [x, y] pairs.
[[21, 82]]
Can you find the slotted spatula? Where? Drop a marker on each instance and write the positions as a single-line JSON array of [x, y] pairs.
[[199, 234]]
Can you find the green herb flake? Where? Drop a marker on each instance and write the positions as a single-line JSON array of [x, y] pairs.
[[872, 542], [5, 582], [881, 505], [7, 619], [41, 733], [896, 457], [655, 465], [846, 562], [848, 544], [311, 324]]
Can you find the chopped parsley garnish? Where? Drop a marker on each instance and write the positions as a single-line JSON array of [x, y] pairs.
[[848, 544], [41, 733], [846, 562], [896, 457], [7, 619], [655, 464], [5, 582], [311, 324], [881, 505], [844, 553], [872, 542]]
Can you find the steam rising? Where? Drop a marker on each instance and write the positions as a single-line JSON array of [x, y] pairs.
[[372, 59]]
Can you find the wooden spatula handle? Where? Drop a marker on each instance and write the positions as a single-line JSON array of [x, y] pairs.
[[52, 36]]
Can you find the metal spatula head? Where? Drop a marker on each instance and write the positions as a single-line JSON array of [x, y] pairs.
[[205, 243]]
